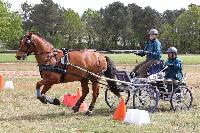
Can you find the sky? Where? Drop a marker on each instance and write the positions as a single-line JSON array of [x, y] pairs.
[[81, 5]]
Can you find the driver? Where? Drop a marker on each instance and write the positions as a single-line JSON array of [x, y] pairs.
[[152, 51]]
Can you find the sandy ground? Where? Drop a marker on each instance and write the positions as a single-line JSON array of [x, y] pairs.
[[26, 70], [22, 112]]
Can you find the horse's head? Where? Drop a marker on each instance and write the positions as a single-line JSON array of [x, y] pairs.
[[26, 46]]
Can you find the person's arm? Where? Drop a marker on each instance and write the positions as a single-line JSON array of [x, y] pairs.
[[178, 64], [166, 67], [142, 53]]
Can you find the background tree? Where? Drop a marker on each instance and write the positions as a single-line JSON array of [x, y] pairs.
[[114, 27], [187, 29], [150, 19], [72, 29], [26, 12], [170, 16], [90, 18], [166, 36], [167, 30], [135, 13], [10, 27], [115, 21], [45, 18]]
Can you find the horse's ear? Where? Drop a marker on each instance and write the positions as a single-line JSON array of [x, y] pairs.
[[28, 34], [29, 38]]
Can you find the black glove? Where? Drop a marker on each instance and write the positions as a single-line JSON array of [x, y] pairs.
[[140, 53], [146, 52], [170, 64]]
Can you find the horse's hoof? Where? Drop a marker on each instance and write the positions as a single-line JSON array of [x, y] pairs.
[[75, 109], [56, 101], [42, 99], [88, 113]]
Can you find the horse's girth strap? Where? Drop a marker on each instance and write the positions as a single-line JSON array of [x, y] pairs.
[[55, 69]]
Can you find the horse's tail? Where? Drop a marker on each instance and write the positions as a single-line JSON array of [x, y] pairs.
[[110, 73]]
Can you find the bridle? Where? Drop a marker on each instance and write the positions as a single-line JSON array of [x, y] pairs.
[[30, 42]]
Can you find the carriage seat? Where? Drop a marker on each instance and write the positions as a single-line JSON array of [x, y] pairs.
[[173, 81], [155, 68], [123, 76]]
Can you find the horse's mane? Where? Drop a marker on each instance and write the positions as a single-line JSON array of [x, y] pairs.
[[41, 37]]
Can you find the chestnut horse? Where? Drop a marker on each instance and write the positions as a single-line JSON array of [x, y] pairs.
[[53, 71]]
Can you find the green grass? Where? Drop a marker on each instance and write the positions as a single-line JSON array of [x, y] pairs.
[[10, 58], [131, 58], [117, 58]]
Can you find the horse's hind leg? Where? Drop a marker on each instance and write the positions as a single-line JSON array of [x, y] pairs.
[[85, 91], [95, 89]]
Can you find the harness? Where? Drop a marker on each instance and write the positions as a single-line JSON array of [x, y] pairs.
[[56, 68], [53, 53], [52, 68]]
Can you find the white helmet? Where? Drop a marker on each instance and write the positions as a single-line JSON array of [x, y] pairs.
[[153, 32], [172, 50]]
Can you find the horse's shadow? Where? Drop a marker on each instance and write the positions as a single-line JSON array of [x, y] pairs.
[[103, 112], [52, 115], [32, 117], [66, 114]]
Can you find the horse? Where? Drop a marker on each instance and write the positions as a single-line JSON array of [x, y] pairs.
[[54, 68]]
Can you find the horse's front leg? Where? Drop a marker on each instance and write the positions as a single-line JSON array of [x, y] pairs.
[[38, 93], [95, 89], [42, 95], [85, 91]]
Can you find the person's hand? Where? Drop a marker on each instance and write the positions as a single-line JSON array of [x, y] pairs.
[[139, 53], [170, 64], [165, 68], [146, 52]]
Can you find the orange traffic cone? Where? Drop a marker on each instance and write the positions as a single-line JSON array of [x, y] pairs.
[[73, 101], [83, 107], [78, 93], [120, 111], [67, 99], [1, 81]]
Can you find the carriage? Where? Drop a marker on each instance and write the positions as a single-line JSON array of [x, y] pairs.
[[61, 66], [147, 92]]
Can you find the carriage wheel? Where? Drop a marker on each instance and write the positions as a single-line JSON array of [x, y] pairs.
[[112, 100], [181, 98], [146, 99]]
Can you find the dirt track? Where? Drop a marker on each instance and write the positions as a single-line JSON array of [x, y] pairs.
[[26, 70], [21, 111]]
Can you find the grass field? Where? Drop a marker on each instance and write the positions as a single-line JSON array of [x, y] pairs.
[[22, 112], [117, 58]]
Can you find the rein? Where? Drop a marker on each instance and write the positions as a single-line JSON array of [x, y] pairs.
[[97, 76]]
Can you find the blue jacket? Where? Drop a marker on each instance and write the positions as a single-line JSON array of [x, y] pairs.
[[174, 70], [154, 50]]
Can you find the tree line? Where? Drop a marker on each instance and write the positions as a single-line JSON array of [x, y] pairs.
[[114, 27]]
